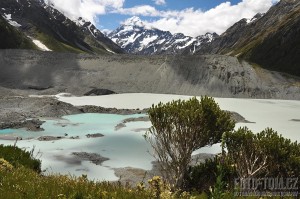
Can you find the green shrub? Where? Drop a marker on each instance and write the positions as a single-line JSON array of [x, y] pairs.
[[284, 155], [181, 127], [19, 157], [263, 154], [204, 176], [246, 155]]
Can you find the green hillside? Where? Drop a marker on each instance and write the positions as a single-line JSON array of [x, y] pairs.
[[11, 38]]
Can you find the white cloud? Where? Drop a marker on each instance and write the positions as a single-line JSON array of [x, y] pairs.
[[106, 31], [194, 22], [159, 2], [143, 10], [87, 9], [191, 21]]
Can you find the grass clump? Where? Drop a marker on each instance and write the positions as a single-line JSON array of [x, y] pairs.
[[20, 158], [26, 183], [5, 166]]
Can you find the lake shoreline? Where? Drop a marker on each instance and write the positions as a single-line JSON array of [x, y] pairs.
[[29, 112], [124, 144]]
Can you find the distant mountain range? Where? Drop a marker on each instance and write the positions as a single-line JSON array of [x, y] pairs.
[[137, 38], [49, 29]]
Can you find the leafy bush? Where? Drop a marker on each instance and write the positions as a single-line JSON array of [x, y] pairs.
[[262, 154], [246, 155], [181, 127], [204, 176], [18, 157], [283, 154]]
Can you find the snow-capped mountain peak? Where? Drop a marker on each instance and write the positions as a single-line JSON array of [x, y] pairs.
[[134, 21], [135, 37]]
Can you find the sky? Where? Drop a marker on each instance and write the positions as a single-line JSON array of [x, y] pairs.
[[190, 17]]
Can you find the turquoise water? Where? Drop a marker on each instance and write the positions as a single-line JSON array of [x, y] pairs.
[[125, 147], [83, 124], [16, 133], [6, 131], [74, 125]]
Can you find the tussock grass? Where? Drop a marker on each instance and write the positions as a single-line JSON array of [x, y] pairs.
[[25, 183], [19, 157], [18, 179]]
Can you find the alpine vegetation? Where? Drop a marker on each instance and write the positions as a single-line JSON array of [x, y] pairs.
[[181, 127]]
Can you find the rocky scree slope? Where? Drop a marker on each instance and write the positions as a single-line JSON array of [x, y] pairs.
[[137, 38], [271, 41], [34, 72], [42, 22]]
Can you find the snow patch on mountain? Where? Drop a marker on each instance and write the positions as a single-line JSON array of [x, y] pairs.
[[257, 16], [39, 44], [42, 15], [110, 51], [148, 40], [10, 21]]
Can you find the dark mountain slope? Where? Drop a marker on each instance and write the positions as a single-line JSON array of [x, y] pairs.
[[52, 28], [271, 41], [280, 50], [12, 38]]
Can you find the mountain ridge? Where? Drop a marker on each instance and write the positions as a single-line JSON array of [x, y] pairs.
[[13, 37], [135, 37], [272, 41], [52, 28]]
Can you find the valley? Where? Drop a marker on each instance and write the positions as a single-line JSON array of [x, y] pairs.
[[80, 98]]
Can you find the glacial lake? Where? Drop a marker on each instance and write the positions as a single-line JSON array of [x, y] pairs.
[[126, 147]]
